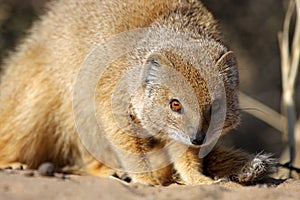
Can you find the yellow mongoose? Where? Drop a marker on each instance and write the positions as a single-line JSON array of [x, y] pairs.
[[37, 87]]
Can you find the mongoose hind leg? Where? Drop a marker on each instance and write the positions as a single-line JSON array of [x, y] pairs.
[[30, 132], [238, 165]]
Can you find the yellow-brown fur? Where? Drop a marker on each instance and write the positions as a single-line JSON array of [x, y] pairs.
[[36, 119]]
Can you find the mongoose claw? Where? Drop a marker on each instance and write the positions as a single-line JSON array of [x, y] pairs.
[[220, 181], [124, 182], [14, 166]]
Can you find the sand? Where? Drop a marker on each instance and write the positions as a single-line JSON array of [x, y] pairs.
[[26, 184]]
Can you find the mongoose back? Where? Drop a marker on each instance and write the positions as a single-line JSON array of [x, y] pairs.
[[36, 95]]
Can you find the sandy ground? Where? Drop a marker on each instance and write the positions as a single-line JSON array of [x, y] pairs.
[[24, 184]]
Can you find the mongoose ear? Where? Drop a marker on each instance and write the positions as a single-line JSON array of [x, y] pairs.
[[153, 65], [227, 63], [228, 59]]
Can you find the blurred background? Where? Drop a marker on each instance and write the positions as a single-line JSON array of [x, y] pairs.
[[250, 28]]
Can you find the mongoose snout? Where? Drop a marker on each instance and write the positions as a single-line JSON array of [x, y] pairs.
[[198, 139]]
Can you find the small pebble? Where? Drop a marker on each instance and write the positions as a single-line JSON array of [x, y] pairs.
[[46, 169]]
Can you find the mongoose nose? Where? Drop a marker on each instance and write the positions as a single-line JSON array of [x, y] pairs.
[[198, 139]]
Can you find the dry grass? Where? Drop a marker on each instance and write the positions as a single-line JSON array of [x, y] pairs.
[[289, 67], [290, 54]]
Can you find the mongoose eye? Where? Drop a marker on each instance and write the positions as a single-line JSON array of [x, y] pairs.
[[175, 105]]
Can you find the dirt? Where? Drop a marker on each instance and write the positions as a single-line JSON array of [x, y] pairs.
[[26, 184]]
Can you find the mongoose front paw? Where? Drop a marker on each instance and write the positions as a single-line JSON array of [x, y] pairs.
[[194, 179], [258, 168]]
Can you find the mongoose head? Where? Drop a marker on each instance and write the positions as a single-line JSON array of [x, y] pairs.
[[178, 100], [190, 84], [189, 78]]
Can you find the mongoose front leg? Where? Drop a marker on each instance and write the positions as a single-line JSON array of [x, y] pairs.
[[238, 165], [189, 168]]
